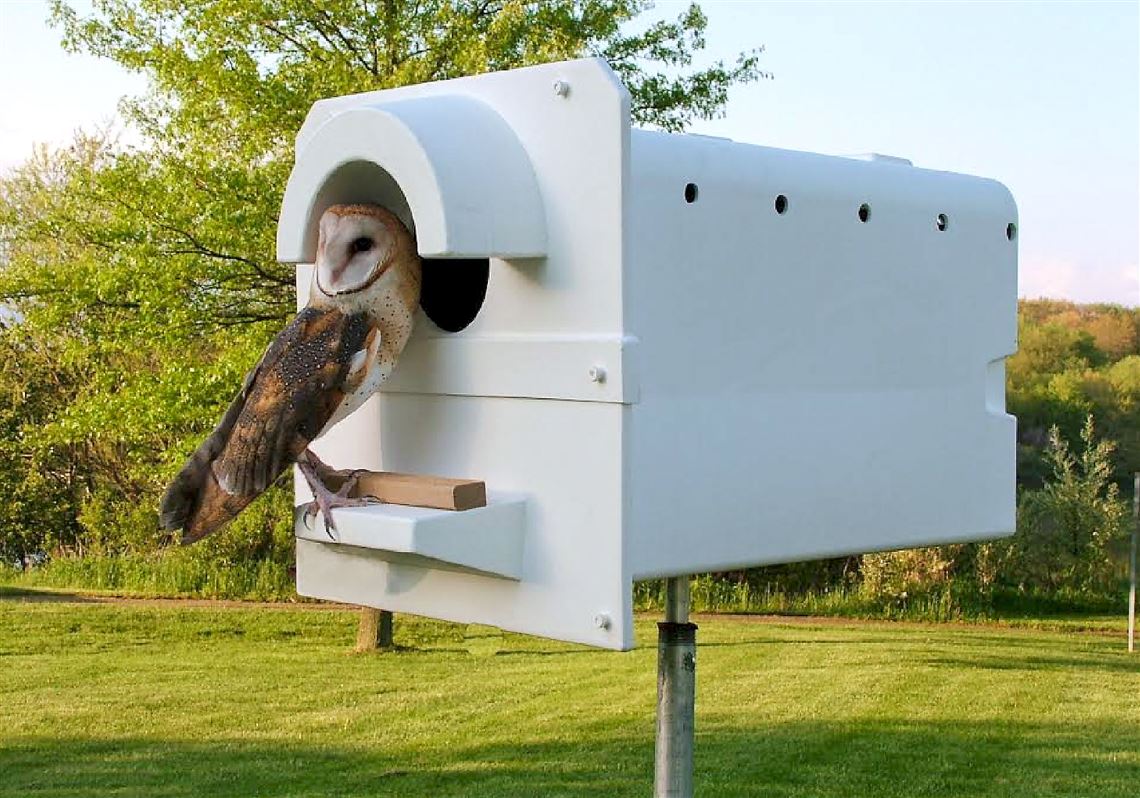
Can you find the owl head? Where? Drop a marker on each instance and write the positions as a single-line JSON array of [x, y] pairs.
[[356, 245]]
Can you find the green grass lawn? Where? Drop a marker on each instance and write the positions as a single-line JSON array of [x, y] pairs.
[[158, 700]]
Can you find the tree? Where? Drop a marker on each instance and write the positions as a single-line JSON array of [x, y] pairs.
[[1068, 530], [1073, 360], [148, 270], [1114, 333], [42, 484]]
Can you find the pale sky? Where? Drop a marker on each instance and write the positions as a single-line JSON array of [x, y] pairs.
[[1043, 96]]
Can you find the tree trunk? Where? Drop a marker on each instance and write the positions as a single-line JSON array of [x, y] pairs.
[[374, 633]]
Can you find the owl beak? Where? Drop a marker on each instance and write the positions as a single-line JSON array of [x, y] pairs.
[[336, 272]]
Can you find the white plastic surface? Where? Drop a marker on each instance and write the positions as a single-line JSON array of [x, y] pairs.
[[677, 386], [487, 402], [470, 198], [487, 539], [535, 366], [554, 452], [813, 385]]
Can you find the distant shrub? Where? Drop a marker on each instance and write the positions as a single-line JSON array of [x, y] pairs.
[[1069, 533]]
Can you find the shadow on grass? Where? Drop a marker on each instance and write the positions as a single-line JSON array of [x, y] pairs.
[[1123, 664], [776, 640], [859, 758], [11, 593]]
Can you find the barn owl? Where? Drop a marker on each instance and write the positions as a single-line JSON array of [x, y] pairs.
[[321, 367]]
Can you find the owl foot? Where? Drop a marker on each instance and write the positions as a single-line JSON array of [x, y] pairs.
[[325, 505], [349, 479], [324, 499]]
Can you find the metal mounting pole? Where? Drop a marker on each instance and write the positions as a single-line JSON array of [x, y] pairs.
[[1132, 564], [676, 694]]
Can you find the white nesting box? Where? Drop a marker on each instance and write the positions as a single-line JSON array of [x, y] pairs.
[[686, 354]]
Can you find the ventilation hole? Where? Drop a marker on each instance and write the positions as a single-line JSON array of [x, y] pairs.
[[864, 212], [942, 221], [781, 204], [453, 290], [1011, 231], [690, 192]]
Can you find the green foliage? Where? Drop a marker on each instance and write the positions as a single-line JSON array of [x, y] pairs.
[[138, 283], [900, 575], [954, 599], [253, 560], [1074, 360], [126, 363], [178, 573], [42, 486], [1069, 534]]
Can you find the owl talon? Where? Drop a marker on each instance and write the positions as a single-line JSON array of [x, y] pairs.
[[312, 510], [310, 513], [325, 500]]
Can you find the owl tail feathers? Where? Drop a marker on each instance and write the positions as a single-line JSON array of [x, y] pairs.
[[196, 504]]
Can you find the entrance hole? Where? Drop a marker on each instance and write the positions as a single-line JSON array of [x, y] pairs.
[[453, 290]]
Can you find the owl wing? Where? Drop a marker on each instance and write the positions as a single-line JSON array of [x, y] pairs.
[[284, 404]]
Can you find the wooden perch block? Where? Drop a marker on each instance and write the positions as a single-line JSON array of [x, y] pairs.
[[418, 490]]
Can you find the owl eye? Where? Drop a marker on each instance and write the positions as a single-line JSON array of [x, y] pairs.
[[362, 244]]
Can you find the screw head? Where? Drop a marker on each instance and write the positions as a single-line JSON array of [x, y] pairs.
[[602, 621], [561, 88], [597, 374]]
